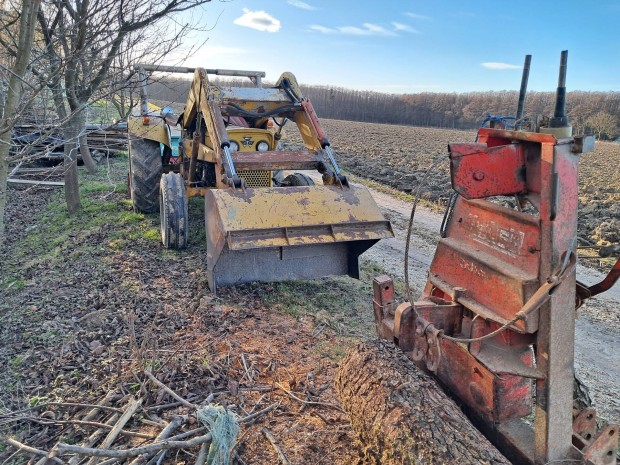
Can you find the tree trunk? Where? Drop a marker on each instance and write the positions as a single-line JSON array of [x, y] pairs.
[[27, 25], [4, 172], [80, 122], [72, 187], [402, 416]]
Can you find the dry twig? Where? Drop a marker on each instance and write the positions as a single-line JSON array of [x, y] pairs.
[[202, 454], [95, 407], [32, 450], [123, 454], [171, 443], [45, 421], [275, 445], [165, 433], [168, 390], [93, 438], [310, 402], [115, 431], [245, 367]]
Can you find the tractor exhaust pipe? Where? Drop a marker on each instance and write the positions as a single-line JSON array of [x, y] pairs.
[[523, 90], [560, 119], [558, 123]]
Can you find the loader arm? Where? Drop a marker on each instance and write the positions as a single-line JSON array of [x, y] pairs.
[[258, 231]]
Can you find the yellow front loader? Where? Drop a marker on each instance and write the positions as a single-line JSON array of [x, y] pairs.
[[265, 218]]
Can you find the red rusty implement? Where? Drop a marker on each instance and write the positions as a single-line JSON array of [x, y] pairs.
[[479, 171]]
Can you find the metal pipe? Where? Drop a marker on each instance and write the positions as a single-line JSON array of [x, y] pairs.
[[144, 106], [229, 162], [523, 90], [563, 62], [560, 96], [218, 72]]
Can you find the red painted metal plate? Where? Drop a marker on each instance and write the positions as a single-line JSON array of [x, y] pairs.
[[499, 231], [495, 284], [478, 171]]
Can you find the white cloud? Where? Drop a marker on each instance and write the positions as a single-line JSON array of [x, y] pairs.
[[492, 65], [300, 4], [367, 29], [259, 20], [404, 28], [416, 16], [323, 29]]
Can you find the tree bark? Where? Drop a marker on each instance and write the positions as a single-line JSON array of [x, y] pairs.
[[72, 187], [80, 122], [4, 172], [401, 414], [27, 25]]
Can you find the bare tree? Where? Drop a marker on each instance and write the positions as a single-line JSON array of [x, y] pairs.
[[25, 39], [83, 38], [603, 124]]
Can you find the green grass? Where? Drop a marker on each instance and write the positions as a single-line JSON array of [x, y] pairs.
[[10, 282], [17, 361], [104, 207], [106, 112], [341, 303]]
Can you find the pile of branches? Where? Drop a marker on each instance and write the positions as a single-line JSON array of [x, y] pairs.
[[120, 429]]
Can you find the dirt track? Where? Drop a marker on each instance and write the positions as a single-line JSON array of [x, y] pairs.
[[398, 156]]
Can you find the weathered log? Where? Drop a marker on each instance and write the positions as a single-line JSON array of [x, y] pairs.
[[402, 416]]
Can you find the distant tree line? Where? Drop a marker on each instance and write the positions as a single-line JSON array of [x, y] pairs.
[[595, 113]]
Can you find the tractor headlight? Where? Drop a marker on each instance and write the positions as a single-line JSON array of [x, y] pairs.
[[234, 147], [262, 146]]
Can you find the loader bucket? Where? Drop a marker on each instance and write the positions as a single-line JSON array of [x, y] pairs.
[[285, 233]]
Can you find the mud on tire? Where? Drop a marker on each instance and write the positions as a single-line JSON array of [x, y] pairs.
[[173, 211], [145, 169]]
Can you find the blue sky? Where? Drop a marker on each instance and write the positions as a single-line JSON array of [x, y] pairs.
[[415, 46]]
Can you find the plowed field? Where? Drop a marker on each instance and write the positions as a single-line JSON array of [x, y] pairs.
[[398, 156]]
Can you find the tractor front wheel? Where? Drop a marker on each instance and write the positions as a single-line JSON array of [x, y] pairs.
[[145, 169], [173, 211], [298, 179]]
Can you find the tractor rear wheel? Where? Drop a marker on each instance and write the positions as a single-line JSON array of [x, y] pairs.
[[145, 169], [173, 211], [298, 179]]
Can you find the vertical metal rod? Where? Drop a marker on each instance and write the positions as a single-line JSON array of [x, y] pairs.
[[560, 97], [144, 106], [523, 90]]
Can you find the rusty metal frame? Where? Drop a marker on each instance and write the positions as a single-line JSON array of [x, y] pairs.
[[498, 307]]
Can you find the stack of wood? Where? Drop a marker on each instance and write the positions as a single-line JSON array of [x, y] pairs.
[[45, 141], [37, 175], [108, 140]]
